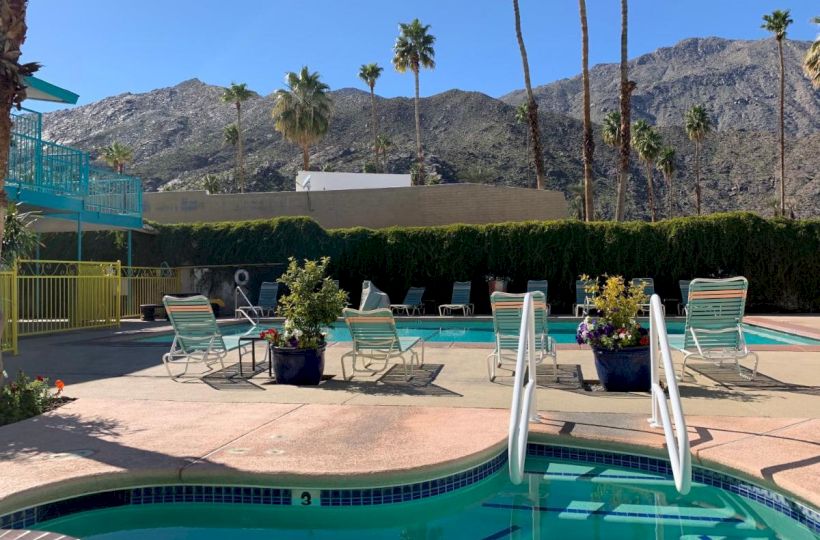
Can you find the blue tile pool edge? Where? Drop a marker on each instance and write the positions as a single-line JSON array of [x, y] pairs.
[[347, 497]]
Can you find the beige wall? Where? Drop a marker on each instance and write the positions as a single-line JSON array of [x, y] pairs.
[[374, 208]]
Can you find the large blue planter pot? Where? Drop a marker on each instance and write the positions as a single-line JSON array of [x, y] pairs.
[[624, 370], [298, 366]]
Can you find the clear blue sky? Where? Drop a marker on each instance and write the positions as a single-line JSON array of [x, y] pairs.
[[100, 48]]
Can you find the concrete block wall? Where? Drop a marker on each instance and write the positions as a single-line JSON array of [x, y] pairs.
[[374, 208]]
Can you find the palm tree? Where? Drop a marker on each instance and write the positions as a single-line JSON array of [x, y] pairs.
[[611, 129], [666, 164], [117, 155], [231, 136], [647, 141], [522, 117], [627, 87], [532, 106], [413, 50], [697, 126], [811, 63], [589, 142], [383, 144], [369, 73], [302, 111], [12, 92], [211, 183], [777, 23], [576, 201], [236, 94]]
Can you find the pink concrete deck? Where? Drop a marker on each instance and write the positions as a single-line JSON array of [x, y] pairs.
[[95, 444]]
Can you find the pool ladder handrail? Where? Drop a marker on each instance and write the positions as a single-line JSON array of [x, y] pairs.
[[243, 310], [680, 455], [523, 409]]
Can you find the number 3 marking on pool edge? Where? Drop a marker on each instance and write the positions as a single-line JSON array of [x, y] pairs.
[[306, 499]]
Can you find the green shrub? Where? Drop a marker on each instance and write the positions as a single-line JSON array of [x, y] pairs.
[[24, 398], [781, 258]]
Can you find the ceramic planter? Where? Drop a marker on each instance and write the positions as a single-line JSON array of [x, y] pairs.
[[298, 366], [624, 370]]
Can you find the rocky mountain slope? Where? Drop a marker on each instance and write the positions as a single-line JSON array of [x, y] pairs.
[[176, 132], [738, 81]]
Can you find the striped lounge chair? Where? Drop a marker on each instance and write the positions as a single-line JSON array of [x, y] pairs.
[[413, 304], [540, 285], [196, 335], [714, 317], [507, 313], [460, 301], [375, 339], [583, 299]]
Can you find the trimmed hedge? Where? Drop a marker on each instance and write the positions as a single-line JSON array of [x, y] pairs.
[[781, 258]]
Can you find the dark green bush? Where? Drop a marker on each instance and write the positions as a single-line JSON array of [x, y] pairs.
[[781, 258]]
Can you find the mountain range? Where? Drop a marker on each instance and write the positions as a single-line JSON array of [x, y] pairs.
[[177, 132]]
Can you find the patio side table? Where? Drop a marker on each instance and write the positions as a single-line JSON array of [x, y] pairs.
[[253, 341]]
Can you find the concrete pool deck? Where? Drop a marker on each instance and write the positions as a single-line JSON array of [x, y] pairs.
[[131, 423]]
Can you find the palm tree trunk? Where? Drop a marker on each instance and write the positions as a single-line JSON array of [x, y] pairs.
[[650, 185], [14, 30], [305, 157], [697, 176], [120, 167], [532, 106], [782, 133], [375, 130], [240, 151], [419, 151], [589, 142], [626, 91], [668, 179]]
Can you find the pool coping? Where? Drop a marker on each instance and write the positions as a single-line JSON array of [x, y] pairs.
[[725, 444]]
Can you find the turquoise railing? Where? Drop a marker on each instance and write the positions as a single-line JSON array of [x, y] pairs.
[[113, 193], [46, 167]]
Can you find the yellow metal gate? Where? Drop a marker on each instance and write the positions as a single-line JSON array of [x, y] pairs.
[[57, 296], [8, 303], [146, 285]]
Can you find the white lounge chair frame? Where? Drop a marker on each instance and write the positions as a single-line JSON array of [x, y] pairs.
[[714, 323], [507, 314], [196, 337], [375, 339], [460, 300]]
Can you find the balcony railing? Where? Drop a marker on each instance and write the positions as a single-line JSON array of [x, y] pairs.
[[113, 193], [46, 167]]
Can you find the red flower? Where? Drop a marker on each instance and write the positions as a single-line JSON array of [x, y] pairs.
[[40, 378], [60, 385], [644, 340]]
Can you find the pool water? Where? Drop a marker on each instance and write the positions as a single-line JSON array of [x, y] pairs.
[[558, 499], [481, 331]]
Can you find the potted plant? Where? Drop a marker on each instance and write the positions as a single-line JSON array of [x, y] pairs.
[[496, 283], [313, 302], [618, 341]]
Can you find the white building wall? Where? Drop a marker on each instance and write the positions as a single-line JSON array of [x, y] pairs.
[[329, 181]]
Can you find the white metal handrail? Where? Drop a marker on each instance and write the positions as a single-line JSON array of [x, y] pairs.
[[680, 455], [243, 310], [523, 409]]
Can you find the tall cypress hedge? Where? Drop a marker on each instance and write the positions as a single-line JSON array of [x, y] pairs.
[[781, 258]]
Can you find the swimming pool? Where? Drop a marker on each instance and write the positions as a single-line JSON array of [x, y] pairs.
[[481, 331], [567, 493]]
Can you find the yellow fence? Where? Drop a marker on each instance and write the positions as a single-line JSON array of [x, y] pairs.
[[8, 303], [56, 296], [146, 285]]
